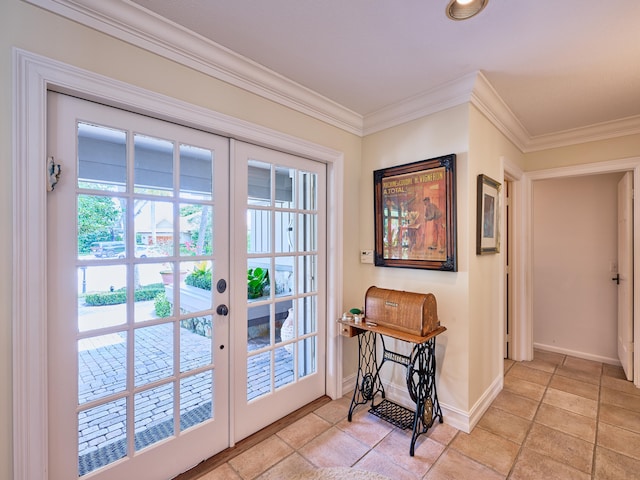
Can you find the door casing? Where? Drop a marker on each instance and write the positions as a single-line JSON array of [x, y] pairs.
[[33, 76], [523, 324]]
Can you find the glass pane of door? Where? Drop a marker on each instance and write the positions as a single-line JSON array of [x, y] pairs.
[[281, 202], [140, 315]]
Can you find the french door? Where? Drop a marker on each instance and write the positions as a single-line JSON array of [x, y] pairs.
[[186, 302], [137, 237], [280, 320]]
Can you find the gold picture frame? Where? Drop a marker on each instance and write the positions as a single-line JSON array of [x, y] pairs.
[[415, 215]]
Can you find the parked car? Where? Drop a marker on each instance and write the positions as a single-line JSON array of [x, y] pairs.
[[108, 249]]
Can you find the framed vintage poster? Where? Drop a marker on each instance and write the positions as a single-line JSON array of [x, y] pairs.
[[488, 217], [415, 215]]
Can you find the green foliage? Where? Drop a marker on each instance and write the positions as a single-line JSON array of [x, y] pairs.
[[200, 277], [257, 282], [162, 305], [145, 293], [98, 220]]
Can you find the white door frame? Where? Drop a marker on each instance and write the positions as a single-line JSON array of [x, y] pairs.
[[521, 348], [33, 76], [524, 321]]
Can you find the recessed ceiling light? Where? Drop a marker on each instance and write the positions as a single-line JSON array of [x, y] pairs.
[[463, 9]]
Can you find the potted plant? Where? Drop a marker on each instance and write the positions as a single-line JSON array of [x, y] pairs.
[[257, 282]]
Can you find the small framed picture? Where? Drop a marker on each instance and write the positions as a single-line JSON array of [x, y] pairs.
[[488, 222], [415, 215]]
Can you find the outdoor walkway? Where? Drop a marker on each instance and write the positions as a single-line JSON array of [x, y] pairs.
[[102, 372]]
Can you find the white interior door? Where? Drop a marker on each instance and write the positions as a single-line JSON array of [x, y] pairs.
[[138, 362], [279, 325], [625, 272]]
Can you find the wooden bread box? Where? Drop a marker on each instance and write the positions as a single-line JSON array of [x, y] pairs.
[[414, 313]]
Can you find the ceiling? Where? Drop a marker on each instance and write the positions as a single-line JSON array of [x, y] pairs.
[[557, 65]]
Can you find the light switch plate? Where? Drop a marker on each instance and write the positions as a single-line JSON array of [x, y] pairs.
[[366, 256]]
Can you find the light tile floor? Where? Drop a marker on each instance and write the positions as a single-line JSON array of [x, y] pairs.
[[558, 417]]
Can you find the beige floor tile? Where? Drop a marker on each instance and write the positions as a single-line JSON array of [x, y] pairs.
[[614, 466], [441, 433], [614, 371], [588, 366], [549, 357], [294, 464], [508, 364], [334, 448], [561, 447], [379, 463], [524, 388], [223, 472], [505, 424], [621, 385], [582, 389], [395, 447], [304, 430], [577, 374], [571, 402], [620, 399], [260, 458], [619, 440], [452, 465], [336, 410], [530, 465], [620, 417], [542, 365], [516, 405], [366, 427], [488, 449], [568, 422], [529, 374]]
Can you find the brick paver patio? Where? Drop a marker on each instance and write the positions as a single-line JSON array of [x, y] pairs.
[[102, 372]]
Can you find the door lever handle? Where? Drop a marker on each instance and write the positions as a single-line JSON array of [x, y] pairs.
[[616, 279]]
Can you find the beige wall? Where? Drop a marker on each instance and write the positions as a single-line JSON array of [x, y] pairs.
[[33, 29], [574, 244], [488, 148], [439, 134]]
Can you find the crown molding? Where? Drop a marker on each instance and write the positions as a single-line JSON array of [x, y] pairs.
[[445, 96], [485, 98], [592, 133], [129, 22]]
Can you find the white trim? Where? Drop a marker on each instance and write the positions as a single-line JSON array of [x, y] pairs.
[[445, 96], [591, 133], [577, 354], [131, 23], [484, 402], [462, 420], [33, 76], [612, 166], [521, 339], [487, 100]]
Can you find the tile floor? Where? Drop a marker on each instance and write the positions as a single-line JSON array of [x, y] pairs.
[[558, 417]]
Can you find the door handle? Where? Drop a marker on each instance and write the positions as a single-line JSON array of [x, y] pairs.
[[616, 279], [222, 310]]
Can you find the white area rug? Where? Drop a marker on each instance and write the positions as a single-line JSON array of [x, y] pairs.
[[339, 473]]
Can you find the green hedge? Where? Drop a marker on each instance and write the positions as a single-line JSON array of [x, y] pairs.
[[145, 293]]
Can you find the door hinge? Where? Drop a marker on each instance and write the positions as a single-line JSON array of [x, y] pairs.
[[53, 173]]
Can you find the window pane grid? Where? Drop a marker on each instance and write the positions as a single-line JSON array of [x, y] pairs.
[[164, 385]]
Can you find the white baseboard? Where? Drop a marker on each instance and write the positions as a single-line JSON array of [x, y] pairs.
[[485, 401], [459, 419], [575, 353]]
